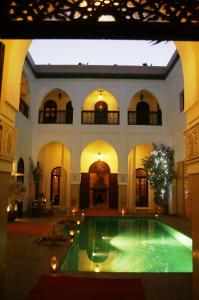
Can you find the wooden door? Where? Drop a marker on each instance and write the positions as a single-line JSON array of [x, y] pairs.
[[113, 191], [84, 191]]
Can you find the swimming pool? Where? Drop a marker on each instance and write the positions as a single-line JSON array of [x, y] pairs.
[[128, 245]]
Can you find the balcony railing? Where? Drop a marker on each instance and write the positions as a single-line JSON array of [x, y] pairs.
[[56, 117], [100, 117], [144, 118]]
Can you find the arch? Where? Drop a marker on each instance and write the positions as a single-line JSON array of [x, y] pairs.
[[51, 156], [99, 167], [144, 109], [100, 95], [90, 154]]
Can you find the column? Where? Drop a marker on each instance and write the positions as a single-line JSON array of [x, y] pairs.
[[7, 151], [192, 159]]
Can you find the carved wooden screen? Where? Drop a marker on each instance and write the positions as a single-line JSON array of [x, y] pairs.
[[84, 191], [2, 49], [143, 19], [113, 191]]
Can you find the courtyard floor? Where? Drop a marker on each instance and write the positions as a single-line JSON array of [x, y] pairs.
[[27, 261]]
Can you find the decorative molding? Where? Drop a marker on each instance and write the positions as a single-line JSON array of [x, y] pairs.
[[192, 143], [123, 179], [8, 136], [75, 178]]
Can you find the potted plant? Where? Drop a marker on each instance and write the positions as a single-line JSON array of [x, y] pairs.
[[15, 200], [159, 166]]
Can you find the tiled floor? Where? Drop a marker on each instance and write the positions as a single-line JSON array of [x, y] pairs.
[[27, 260]]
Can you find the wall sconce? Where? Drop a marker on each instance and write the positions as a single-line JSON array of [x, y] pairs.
[[141, 97], [99, 155], [54, 264], [100, 95]]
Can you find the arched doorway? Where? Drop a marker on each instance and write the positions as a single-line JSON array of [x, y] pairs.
[[50, 111], [142, 113], [55, 186], [99, 184], [141, 188], [99, 188]]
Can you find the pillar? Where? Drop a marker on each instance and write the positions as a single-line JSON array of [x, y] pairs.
[[192, 158]]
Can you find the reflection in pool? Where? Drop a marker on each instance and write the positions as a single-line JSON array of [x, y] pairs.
[[128, 245]]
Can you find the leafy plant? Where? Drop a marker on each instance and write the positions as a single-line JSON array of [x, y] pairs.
[[16, 193], [159, 166]]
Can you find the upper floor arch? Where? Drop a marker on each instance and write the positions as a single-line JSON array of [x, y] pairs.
[[56, 108], [100, 107], [144, 109]]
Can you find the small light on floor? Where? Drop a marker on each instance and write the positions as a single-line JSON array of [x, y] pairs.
[[54, 264], [156, 215], [123, 211], [97, 269], [78, 222]]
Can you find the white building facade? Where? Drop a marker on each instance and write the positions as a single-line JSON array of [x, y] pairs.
[[76, 113]]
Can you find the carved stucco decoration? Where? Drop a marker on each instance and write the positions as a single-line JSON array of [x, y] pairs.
[[122, 179], [120, 10], [75, 178], [8, 137], [192, 143]]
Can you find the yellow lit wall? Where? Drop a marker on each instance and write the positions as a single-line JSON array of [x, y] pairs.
[[141, 152], [89, 156], [93, 98], [15, 52]]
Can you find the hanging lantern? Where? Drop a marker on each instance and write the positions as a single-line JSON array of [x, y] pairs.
[[54, 264]]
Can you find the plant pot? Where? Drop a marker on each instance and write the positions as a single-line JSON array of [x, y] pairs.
[[12, 215]]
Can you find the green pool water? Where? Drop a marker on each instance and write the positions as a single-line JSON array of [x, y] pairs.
[[128, 245]]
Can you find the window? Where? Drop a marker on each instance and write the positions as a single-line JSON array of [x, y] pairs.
[[181, 99], [141, 188], [50, 111]]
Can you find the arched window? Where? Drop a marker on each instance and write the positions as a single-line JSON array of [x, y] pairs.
[[101, 112], [50, 111], [55, 186], [20, 170], [142, 113], [141, 188], [69, 113]]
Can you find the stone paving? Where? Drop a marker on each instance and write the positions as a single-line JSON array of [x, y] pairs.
[[27, 260]]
